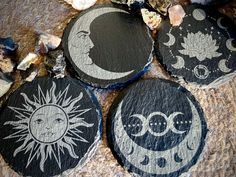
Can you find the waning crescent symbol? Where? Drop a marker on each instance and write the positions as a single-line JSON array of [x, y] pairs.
[[180, 63], [219, 23], [145, 161], [124, 142], [171, 40], [144, 126], [229, 45], [222, 66], [80, 52]]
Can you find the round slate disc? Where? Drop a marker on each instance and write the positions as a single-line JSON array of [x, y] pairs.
[[202, 50], [108, 46], [156, 128], [49, 126]]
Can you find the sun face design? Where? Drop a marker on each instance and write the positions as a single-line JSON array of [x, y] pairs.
[[48, 124]]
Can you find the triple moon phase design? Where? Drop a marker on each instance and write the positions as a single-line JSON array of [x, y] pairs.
[[103, 46], [50, 128], [205, 51], [152, 136]]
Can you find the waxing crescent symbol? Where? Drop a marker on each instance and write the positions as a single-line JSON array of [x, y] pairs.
[[124, 142], [171, 40], [229, 45], [219, 23], [222, 66], [179, 64], [81, 60]]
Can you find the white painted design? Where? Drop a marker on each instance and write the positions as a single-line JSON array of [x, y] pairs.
[[201, 71], [220, 24], [171, 40], [222, 66], [125, 143], [229, 45], [199, 14], [179, 64], [48, 125], [79, 45], [146, 127], [199, 45]]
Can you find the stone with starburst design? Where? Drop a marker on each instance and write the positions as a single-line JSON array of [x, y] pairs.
[[49, 127]]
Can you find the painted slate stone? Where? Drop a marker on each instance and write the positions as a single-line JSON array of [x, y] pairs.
[[49, 126], [156, 128], [108, 46], [202, 50]]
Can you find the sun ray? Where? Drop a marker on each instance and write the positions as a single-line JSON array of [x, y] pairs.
[[28, 101], [43, 157], [18, 112], [17, 134], [70, 149], [79, 138], [78, 112], [80, 123], [22, 147], [33, 152]]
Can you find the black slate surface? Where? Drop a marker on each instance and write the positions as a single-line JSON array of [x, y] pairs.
[[49, 126], [156, 128], [107, 46], [202, 50]]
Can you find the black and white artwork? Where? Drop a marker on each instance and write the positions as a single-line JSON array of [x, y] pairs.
[[156, 128], [108, 46], [202, 50], [49, 126]]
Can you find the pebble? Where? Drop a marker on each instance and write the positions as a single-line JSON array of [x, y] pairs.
[[160, 5], [152, 19], [81, 4], [47, 42], [176, 15], [27, 61], [8, 46]]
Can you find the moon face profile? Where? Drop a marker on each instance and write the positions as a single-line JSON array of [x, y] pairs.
[[204, 50], [109, 55], [165, 137]]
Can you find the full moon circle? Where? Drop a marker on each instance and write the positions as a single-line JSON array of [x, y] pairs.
[[48, 124], [199, 14]]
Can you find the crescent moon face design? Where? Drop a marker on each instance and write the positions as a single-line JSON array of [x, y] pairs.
[[222, 66], [79, 45], [219, 23], [180, 63], [229, 45], [173, 156], [171, 40]]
